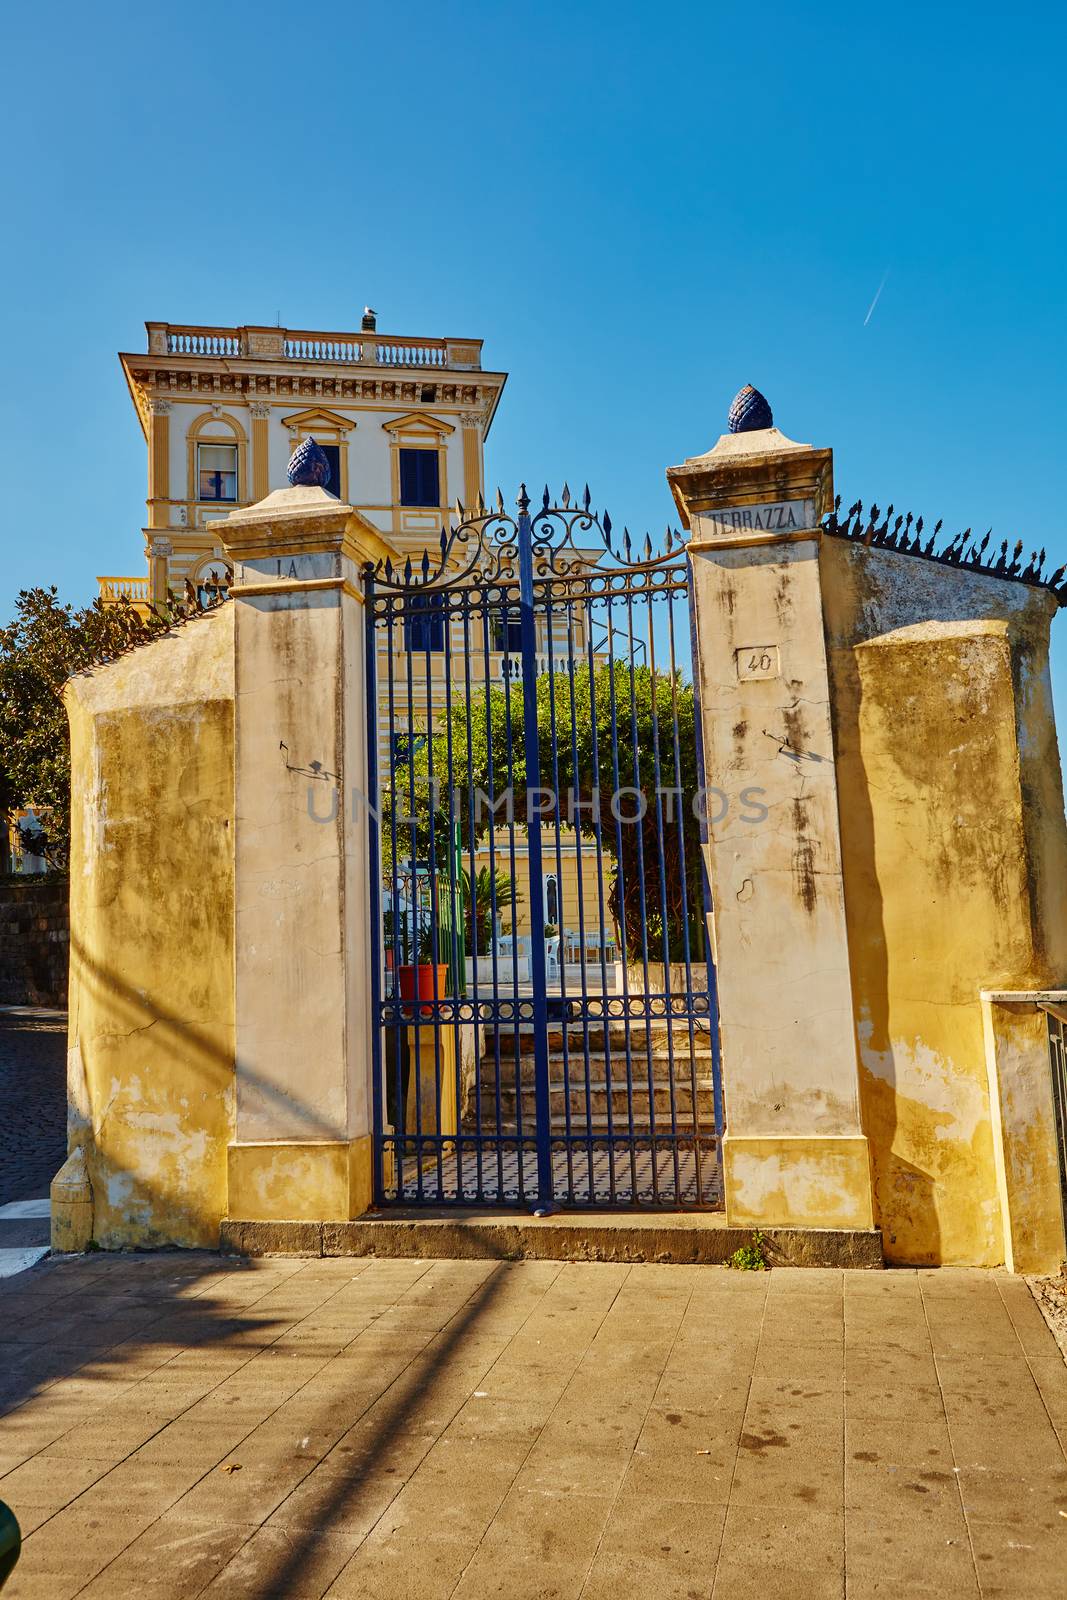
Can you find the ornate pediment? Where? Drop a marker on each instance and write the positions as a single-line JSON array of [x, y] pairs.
[[317, 417], [418, 422]]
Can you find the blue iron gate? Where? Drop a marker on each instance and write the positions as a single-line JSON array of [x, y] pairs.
[[545, 1021]]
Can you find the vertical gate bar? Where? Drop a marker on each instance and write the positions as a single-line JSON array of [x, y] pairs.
[[641, 887], [713, 991], [455, 903], [581, 902], [661, 855], [684, 873], [557, 815], [478, 1146], [620, 896], [537, 909], [411, 614], [375, 876], [1057, 1045], [435, 898], [609, 1089], [394, 901], [491, 780], [505, 618]]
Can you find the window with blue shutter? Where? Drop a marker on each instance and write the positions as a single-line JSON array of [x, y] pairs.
[[420, 478], [424, 624]]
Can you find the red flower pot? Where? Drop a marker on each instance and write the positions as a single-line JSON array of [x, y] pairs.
[[424, 982]]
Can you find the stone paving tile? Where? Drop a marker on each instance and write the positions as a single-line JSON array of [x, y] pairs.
[[475, 1429], [880, 1541], [170, 1561]]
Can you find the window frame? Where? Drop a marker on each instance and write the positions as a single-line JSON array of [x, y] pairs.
[[425, 612], [216, 500], [506, 622], [413, 450]]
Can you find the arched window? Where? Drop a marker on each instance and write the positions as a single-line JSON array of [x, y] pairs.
[[217, 460], [211, 580]]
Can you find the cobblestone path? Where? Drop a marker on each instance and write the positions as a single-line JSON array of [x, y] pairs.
[[33, 1129]]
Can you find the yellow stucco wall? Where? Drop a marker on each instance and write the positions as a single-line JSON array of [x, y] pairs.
[[955, 863], [151, 1032], [1024, 1134]]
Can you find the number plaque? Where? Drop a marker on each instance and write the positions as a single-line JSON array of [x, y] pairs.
[[757, 661]]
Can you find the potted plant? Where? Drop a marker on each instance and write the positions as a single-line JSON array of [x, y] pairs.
[[425, 978]]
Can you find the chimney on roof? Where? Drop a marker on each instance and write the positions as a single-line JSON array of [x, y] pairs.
[[370, 320]]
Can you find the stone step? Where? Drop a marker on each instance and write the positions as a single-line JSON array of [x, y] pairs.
[[685, 1064], [594, 1112], [641, 1038], [454, 1234]]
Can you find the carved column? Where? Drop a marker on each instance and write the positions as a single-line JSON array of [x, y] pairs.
[[472, 457], [260, 449], [158, 462], [160, 552]]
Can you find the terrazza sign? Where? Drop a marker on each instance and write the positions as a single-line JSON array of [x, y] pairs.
[[780, 516]]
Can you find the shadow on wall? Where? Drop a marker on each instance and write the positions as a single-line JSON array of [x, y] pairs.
[[156, 1130], [905, 1207], [169, 1352]]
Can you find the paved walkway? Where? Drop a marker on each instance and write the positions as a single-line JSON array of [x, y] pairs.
[[178, 1426]]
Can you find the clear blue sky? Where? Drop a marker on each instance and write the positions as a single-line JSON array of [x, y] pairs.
[[640, 208]]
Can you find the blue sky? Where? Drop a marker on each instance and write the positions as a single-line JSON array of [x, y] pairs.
[[640, 208]]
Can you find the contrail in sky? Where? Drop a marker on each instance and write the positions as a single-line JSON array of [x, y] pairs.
[[877, 297]]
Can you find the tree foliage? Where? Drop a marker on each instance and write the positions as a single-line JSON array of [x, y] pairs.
[[44, 645], [599, 780]]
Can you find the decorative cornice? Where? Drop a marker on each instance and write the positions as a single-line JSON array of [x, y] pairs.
[[179, 379]]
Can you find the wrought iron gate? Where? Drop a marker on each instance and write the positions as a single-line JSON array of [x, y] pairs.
[[545, 1021]]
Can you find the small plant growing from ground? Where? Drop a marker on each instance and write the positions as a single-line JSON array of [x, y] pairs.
[[750, 1257]]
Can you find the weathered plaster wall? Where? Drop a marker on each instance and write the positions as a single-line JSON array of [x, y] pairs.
[[1025, 1139], [151, 1033], [955, 855]]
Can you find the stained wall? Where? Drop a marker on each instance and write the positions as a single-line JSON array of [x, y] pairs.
[[151, 1030], [955, 869]]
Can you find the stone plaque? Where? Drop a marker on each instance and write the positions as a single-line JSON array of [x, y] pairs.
[[777, 516], [757, 661]]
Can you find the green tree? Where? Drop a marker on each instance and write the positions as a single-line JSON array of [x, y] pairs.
[[654, 748], [478, 904], [45, 644]]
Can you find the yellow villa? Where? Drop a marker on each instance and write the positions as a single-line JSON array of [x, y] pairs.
[[403, 421]]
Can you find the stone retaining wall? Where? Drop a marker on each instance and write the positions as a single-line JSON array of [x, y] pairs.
[[34, 940]]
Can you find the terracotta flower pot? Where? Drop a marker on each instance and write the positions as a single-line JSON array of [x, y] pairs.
[[424, 982]]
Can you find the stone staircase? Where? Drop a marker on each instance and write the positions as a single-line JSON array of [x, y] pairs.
[[656, 1061]]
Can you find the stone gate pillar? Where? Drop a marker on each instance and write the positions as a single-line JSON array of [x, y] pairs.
[[302, 984], [794, 1151]]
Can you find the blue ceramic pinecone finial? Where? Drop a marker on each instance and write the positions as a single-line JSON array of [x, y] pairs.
[[748, 411], [309, 466]]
